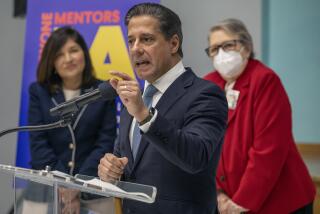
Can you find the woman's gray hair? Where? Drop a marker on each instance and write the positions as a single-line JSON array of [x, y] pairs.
[[235, 27]]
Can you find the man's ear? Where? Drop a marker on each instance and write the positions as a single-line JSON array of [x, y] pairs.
[[174, 43]]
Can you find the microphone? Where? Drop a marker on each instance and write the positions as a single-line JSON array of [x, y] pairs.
[[104, 91]]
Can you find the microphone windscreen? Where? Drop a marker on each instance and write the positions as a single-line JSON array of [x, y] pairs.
[[107, 92]]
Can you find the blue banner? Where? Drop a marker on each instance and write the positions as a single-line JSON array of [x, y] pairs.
[[102, 25]]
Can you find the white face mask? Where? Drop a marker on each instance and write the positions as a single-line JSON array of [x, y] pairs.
[[228, 64]]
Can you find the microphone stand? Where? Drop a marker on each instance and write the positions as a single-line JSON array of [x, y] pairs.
[[65, 121]]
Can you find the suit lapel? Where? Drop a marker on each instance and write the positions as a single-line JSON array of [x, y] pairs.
[[242, 85], [175, 91], [58, 97], [83, 109], [126, 120]]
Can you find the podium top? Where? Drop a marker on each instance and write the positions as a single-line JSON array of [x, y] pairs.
[[93, 185]]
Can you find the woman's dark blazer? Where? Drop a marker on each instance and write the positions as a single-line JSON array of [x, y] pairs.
[[94, 128]]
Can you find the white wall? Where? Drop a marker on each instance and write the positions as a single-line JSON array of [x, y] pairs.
[[197, 17]]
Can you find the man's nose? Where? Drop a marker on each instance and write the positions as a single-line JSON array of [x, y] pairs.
[[137, 47]]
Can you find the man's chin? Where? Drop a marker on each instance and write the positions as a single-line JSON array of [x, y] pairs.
[[144, 75]]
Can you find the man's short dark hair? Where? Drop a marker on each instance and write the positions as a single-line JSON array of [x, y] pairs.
[[170, 23]]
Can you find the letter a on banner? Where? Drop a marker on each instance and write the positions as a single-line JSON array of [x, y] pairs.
[[109, 43]]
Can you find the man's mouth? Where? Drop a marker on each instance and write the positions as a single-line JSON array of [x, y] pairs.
[[142, 63]]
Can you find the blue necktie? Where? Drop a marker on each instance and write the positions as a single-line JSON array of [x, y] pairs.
[[147, 99]]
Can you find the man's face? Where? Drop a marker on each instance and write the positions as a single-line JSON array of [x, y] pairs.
[[151, 54]]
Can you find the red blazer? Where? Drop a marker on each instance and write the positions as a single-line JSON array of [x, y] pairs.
[[260, 167]]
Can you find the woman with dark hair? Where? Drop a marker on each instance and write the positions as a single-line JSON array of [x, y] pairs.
[[64, 72], [260, 169]]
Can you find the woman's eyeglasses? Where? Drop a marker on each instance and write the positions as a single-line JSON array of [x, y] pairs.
[[226, 46]]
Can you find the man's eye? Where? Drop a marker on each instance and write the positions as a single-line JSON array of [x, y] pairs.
[[130, 42], [148, 39]]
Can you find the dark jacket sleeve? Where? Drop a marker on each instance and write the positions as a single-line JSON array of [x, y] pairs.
[[104, 142], [192, 146], [42, 154]]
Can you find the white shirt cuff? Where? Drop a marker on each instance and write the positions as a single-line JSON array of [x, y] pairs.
[[145, 127]]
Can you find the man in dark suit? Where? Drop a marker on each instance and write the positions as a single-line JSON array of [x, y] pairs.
[[171, 136]]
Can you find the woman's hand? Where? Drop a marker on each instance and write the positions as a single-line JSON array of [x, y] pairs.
[[222, 202], [70, 199], [227, 206]]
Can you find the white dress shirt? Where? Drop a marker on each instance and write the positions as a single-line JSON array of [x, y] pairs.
[[162, 84]]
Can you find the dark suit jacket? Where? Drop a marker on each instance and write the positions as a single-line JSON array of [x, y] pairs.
[[180, 152], [95, 133]]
